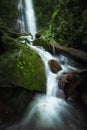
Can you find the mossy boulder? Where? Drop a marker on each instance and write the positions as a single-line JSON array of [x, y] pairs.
[[43, 43], [21, 66], [8, 39]]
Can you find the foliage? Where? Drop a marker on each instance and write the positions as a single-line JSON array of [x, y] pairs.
[[8, 13], [44, 10], [22, 67], [19, 64], [8, 39], [66, 21], [43, 43], [68, 24]]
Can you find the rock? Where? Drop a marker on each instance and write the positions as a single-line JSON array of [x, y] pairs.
[[43, 43], [54, 66], [21, 66], [78, 55], [69, 81], [37, 35], [60, 94]]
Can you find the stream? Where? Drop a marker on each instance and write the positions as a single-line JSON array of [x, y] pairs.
[[48, 111]]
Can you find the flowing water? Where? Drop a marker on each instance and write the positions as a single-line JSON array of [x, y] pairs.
[[48, 112], [30, 17], [21, 20]]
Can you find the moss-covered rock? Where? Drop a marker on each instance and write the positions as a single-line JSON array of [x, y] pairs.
[[22, 66], [8, 39], [43, 43]]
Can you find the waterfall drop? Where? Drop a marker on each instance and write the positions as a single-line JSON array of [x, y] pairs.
[[30, 17], [46, 112], [27, 19], [21, 20]]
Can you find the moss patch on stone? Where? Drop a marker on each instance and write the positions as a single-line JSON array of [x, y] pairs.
[[43, 43], [22, 67]]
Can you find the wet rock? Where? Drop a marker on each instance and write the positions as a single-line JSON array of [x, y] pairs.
[[18, 68], [37, 35], [54, 66], [43, 43], [69, 81], [60, 94], [78, 55]]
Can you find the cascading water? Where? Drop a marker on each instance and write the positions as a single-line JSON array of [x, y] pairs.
[[27, 20], [21, 20], [30, 17], [47, 112]]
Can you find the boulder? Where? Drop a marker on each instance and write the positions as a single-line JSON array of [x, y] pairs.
[[21, 66], [37, 35], [43, 43], [54, 66], [70, 82]]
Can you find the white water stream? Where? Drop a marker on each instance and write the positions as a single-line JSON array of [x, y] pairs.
[[47, 112], [30, 17], [52, 82], [21, 20]]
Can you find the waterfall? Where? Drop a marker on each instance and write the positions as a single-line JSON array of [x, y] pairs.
[[21, 20], [47, 112], [27, 19], [30, 17], [52, 82]]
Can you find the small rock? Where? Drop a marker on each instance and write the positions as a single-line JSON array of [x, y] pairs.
[[37, 35], [54, 66]]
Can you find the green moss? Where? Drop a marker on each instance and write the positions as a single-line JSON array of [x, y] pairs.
[[44, 10], [19, 64], [22, 67], [68, 24], [43, 43], [65, 20], [8, 39]]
